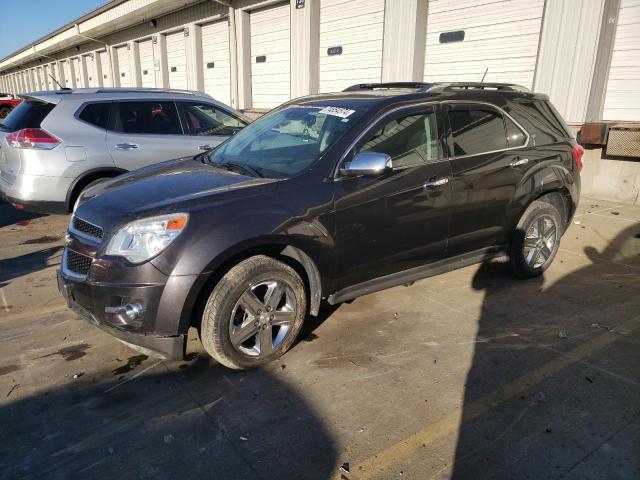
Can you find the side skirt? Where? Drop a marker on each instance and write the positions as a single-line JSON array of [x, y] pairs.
[[417, 273]]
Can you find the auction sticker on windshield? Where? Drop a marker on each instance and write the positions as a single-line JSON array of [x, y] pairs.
[[337, 111]]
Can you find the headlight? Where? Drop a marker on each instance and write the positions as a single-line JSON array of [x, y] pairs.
[[140, 240]]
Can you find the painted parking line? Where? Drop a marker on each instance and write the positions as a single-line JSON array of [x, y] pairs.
[[449, 425]]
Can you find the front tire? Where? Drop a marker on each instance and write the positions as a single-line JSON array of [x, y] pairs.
[[536, 239], [254, 313]]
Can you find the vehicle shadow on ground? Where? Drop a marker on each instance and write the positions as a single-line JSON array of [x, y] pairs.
[[9, 215], [558, 411], [11, 268], [191, 420]]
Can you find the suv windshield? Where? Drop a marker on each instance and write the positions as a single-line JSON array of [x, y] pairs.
[[29, 114], [284, 143]]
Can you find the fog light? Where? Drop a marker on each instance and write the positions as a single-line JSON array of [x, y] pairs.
[[132, 310]]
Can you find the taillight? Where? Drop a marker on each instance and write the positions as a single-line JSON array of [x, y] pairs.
[[577, 152], [33, 138]]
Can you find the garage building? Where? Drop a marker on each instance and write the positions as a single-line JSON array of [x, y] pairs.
[[257, 54]]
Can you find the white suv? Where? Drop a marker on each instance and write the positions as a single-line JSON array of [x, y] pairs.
[[56, 144]]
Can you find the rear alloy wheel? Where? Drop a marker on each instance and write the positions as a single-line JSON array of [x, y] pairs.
[[536, 240], [4, 112], [254, 313]]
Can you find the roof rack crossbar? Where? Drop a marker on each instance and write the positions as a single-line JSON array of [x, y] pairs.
[[419, 86]]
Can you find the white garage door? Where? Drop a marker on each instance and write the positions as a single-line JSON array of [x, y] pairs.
[[77, 72], [216, 61], [105, 68], [55, 71], [68, 75], [25, 79], [41, 84], [500, 35], [622, 99], [92, 75], [177, 60], [147, 64], [270, 56], [350, 43], [124, 69]]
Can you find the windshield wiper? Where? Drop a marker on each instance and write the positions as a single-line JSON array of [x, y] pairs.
[[245, 169]]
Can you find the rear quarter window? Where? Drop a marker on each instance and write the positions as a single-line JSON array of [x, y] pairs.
[[541, 120], [28, 114], [96, 114]]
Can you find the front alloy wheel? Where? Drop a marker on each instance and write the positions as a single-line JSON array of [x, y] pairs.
[[262, 318], [254, 313]]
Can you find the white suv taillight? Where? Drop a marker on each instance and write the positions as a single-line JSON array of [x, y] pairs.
[[33, 138]]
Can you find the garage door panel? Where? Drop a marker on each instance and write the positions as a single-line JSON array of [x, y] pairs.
[[358, 27], [216, 59], [105, 69], [622, 98], [92, 76], [501, 36], [147, 63], [177, 59], [270, 37], [124, 67]]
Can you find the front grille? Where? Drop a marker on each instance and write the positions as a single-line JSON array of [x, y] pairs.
[[87, 228], [78, 263]]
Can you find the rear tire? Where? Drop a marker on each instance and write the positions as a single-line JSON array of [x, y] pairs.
[[254, 313], [536, 239], [4, 112]]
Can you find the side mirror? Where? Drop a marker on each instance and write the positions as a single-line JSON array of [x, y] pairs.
[[367, 163]]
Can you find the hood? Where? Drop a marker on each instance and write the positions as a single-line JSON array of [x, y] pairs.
[[161, 188]]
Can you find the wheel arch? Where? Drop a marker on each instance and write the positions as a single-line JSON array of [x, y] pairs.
[[559, 197], [86, 178], [293, 255]]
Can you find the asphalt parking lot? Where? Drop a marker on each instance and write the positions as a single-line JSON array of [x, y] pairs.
[[471, 374]]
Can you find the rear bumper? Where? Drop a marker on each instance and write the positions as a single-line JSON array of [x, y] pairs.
[[90, 302], [37, 193]]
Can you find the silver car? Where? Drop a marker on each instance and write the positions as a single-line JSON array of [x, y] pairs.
[[56, 144]]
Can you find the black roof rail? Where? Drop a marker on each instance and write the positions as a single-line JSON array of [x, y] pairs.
[[503, 87], [419, 86]]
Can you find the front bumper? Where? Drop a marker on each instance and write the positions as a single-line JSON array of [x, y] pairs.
[[91, 302]]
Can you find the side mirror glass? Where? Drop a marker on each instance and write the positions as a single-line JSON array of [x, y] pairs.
[[367, 163]]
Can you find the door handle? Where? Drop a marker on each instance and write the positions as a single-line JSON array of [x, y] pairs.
[[204, 147], [126, 146], [519, 161], [438, 182]]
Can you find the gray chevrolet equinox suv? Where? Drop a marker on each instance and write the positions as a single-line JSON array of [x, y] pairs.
[[56, 144]]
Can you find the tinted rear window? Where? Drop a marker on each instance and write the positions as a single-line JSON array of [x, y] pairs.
[[96, 114], [476, 129], [150, 117], [29, 114]]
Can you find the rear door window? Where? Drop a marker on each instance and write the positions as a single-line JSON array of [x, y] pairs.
[[206, 119], [28, 114], [147, 117], [476, 129], [96, 114]]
